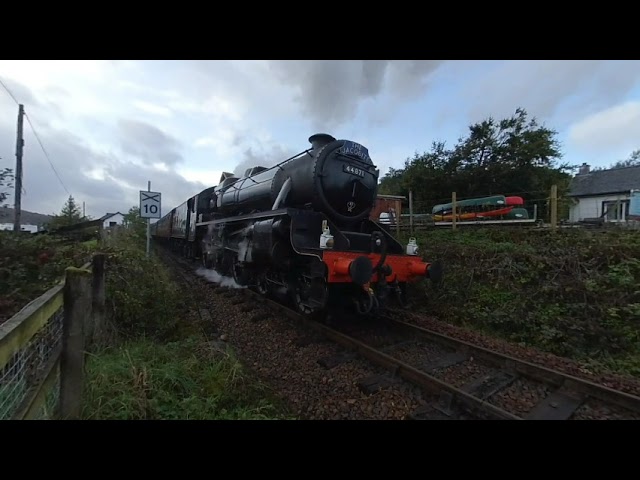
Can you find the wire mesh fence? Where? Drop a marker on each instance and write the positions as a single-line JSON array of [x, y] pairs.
[[26, 368]]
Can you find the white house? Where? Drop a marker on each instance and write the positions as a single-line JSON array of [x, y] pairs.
[[603, 195], [112, 219], [23, 227]]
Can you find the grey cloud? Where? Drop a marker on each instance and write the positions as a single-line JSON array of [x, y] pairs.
[[21, 93], [548, 87], [73, 160], [331, 90], [39, 111], [174, 188], [44, 192], [148, 143]]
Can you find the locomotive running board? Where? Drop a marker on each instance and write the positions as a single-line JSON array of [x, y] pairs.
[[266, 214]]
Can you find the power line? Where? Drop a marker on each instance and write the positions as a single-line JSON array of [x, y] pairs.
[[9, 92], [45, 152], [37, 137]]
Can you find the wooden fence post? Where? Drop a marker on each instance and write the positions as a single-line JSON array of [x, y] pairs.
[[398, 210], [554, 207], [77, 307], [411, 211], [454, 209], [98, 295]]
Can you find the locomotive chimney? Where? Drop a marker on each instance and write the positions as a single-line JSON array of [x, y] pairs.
[[319, 140]]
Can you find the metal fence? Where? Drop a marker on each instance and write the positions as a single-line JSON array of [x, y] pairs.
[[30, 344], [31, 351]]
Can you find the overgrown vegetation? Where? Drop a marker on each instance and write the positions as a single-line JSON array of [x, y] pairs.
[[31, 264], [159, 363], [142, 300], [574, 293]]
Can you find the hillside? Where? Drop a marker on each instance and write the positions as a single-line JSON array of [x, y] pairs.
[[6, 216]]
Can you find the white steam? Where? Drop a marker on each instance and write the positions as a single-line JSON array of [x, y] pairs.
[[215, 277]]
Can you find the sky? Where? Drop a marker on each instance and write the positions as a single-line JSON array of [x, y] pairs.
[[110, 126]]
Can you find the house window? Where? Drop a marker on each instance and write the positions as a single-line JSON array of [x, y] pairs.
[[113, 224], [615, 211]]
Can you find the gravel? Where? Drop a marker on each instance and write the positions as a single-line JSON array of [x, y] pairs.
[[417, 355], [520, 397], [463, 373], [594, 410]]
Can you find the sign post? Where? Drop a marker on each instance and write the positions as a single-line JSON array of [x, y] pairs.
[[150, 206]]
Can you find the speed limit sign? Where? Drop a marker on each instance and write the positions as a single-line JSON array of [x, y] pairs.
[[149, 204]]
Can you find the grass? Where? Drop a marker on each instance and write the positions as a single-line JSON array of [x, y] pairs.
[[159, 364], [188, 379]]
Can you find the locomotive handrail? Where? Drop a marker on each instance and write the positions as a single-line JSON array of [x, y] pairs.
[[279, 165], [284, 191]]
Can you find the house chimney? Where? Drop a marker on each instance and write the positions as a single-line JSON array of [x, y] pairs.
[[584, 169]]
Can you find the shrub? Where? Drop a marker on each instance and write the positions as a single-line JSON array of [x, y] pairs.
[[573, 293], [32, 264], [142, 299]]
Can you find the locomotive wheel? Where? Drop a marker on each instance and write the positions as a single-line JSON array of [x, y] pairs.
[[226, 267], [239, 274], [262, 285], [309, 296], [207, 262]]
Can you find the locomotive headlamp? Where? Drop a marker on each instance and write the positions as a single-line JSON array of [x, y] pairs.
[[412, 247], [326, 239]]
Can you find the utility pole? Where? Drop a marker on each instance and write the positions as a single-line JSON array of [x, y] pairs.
[[18, 188], [83, 215]]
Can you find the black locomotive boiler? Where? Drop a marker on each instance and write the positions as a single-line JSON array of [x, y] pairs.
[[301, 230]]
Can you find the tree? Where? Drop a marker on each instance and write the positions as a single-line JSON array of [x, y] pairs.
[[134, 222], [632, 161], [513, 156], [6, 177], [69, 215]]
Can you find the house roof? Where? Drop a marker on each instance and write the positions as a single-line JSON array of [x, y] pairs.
[[615, 180], [109, 215]]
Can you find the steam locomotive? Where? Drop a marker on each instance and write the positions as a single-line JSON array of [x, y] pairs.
[[300, 231]]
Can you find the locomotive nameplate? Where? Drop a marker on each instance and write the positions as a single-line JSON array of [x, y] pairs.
[[354, 149], [353, 170]]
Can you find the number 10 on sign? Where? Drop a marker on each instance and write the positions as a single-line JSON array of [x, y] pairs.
[[150, 204]]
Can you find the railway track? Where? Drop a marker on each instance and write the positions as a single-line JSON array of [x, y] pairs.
[[468, 381], [484, 380]]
